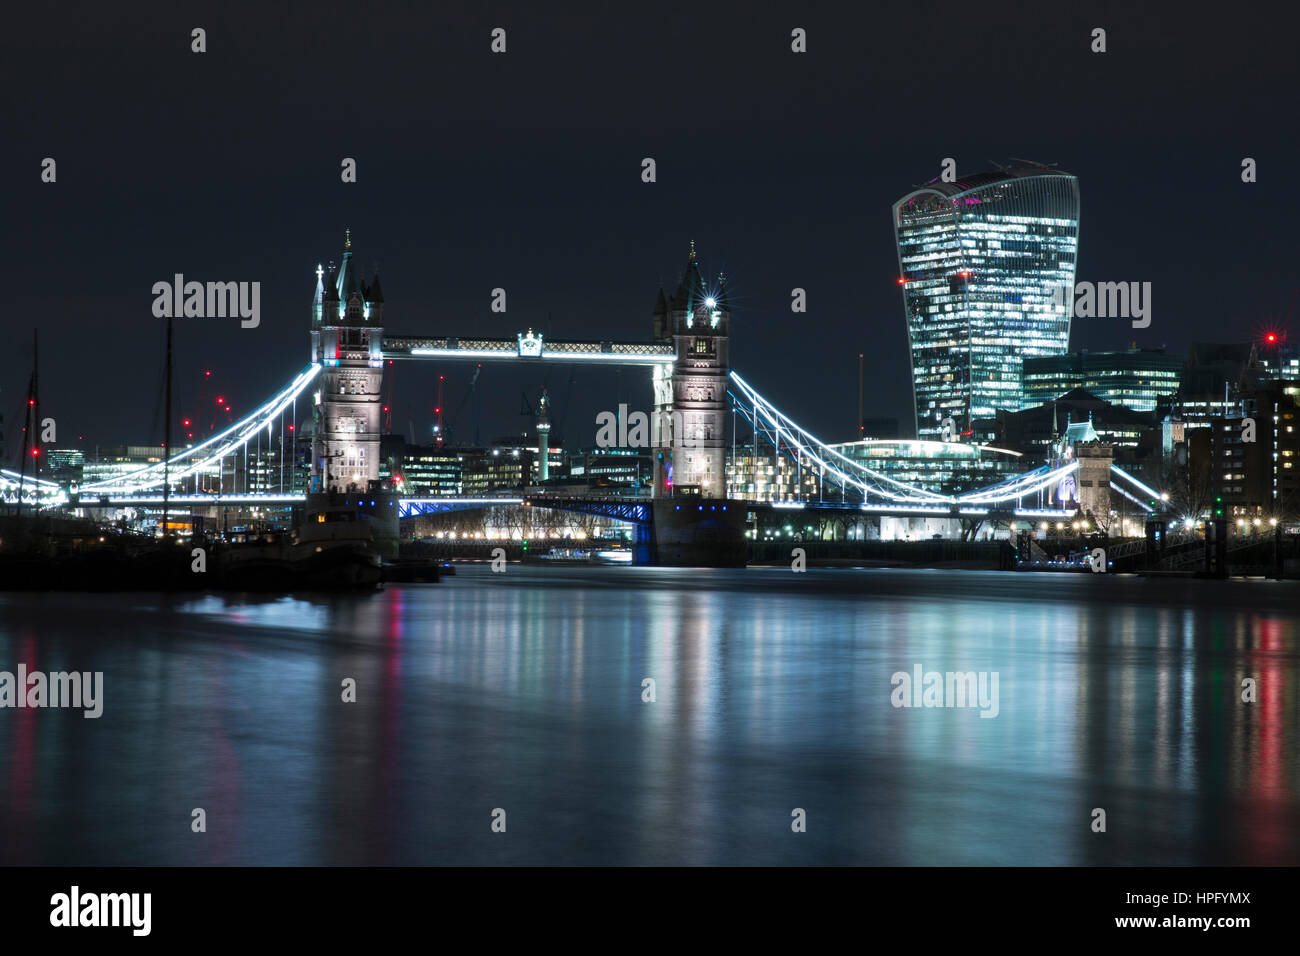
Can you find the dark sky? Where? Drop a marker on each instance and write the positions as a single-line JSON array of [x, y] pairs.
[[523, 171]]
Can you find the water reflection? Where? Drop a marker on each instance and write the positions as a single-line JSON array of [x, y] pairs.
[[524, 691]]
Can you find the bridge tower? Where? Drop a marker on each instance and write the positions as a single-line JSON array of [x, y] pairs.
[[347, 340], [1089, 489], [692, 393]]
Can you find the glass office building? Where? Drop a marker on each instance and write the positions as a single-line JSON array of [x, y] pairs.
[[986, 266], [1136, 379], [945, 467]]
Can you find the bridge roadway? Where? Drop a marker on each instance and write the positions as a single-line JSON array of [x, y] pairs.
[[637, 510], [632, 510]]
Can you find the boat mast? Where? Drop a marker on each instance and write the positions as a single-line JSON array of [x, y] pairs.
[[33, 418], [167, 431]]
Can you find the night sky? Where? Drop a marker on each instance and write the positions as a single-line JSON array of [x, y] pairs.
[[522, 171]]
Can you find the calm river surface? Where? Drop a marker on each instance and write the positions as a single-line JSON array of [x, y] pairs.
[[523, 691]]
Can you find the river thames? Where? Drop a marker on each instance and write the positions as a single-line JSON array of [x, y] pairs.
[[525, 692]]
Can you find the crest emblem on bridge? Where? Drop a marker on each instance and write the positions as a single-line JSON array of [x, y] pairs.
[[530, 345]]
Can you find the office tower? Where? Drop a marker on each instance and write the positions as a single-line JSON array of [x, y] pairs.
[[986, 266]]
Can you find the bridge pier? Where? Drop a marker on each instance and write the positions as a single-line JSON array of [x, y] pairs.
[[695, 532], [643, 545]]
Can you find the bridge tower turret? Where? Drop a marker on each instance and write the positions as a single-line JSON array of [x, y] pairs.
[[692, 394], [347, 340]]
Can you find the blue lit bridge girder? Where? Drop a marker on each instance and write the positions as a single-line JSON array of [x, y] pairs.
[[419, 507], [620, 509]]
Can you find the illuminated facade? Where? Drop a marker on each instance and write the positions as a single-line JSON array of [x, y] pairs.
[[109, 463], [946, 467], [1136, 379], [506, 466], [695, 386], [1261, 478], [347, 339], [762, 478], [422, 470], [987, 267], [613, 469]]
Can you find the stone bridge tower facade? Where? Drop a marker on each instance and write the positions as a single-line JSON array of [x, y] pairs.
[[347, 341], [692, 393]]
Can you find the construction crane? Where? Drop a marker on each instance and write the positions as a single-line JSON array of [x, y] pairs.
[[558, 431], [437, 410], [470, 394]]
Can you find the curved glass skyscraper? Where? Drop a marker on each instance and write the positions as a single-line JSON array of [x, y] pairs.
[[986, 265]]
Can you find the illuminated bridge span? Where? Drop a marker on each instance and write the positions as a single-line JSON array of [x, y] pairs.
[[208, 456], [692, 385], [874, 491], [48, 493], [845, 484]]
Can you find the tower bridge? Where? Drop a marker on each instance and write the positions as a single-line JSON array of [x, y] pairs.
[[692, 381]]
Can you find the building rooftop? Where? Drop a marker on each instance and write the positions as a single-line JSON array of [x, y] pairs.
[[965, 184]]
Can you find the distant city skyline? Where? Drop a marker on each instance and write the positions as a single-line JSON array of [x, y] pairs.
[[494, 186]]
